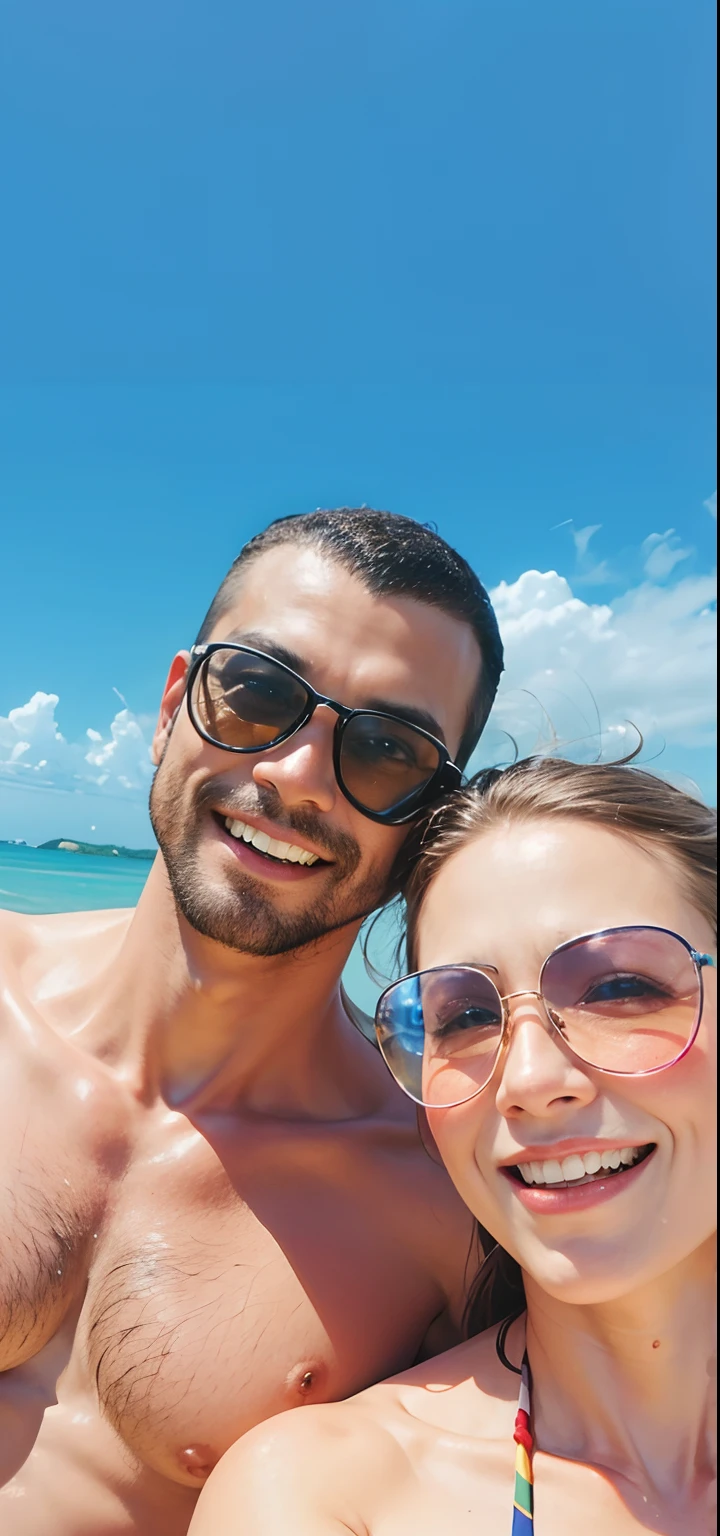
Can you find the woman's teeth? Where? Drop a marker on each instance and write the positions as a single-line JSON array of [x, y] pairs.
[[288, 852], [579, 1166]]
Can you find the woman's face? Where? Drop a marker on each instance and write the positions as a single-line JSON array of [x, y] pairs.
[[507, 900]]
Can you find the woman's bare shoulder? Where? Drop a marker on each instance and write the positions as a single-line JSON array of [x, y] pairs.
[[307, 1470], [466, 1388]]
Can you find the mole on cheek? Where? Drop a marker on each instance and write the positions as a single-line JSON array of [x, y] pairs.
[[198, 1461]]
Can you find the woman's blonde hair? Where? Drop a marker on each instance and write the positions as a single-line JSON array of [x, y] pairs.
[[627, 800]]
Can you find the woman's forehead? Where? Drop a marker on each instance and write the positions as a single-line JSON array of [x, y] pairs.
[[538, 883]]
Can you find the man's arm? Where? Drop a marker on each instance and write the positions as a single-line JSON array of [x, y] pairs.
[[304, 1472]]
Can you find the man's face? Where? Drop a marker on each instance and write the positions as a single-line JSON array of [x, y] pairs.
[[395, 654]]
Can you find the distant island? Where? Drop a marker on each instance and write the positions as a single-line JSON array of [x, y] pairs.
[[105, 850]]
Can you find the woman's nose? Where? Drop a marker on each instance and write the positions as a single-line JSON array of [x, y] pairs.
[[301, 770], [538, 1073]]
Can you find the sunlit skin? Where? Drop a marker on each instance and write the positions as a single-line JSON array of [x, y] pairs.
[[620, 1325], [215, 1202]]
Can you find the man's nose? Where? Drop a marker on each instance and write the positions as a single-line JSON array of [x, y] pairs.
[[538, 1072], [301, 770]]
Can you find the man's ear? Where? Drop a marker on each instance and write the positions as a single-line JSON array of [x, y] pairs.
[[173, 695]]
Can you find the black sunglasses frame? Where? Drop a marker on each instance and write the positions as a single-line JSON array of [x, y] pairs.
[[446, 778]]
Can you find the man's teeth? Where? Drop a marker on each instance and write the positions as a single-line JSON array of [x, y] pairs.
[[260, 840], [578, 1166]]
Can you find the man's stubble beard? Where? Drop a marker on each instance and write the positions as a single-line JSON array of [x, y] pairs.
[[241, 915]]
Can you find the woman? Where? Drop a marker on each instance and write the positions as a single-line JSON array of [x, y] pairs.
[[569, 1087]]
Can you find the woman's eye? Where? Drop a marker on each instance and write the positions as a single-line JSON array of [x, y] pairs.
[[621, 989], [468, 1019]]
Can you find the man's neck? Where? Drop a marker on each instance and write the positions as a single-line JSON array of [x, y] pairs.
[[630, 1384], [205, 1028]]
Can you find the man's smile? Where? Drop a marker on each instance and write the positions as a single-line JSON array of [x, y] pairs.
[[286, 852], [261, 853]]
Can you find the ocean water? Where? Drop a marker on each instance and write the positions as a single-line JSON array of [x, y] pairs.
[[53, 880]]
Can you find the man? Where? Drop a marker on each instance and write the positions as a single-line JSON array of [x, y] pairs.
[[214, 1203]]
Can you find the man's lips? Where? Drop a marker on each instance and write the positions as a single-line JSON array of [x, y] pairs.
[[263, 864], [274, 830]]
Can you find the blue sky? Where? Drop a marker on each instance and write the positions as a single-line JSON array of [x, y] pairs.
[[451, 257]]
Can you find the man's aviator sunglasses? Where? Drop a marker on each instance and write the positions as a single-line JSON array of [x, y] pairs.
[[242, 700]]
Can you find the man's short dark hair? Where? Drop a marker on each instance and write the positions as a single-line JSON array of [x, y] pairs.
[[392, 556]]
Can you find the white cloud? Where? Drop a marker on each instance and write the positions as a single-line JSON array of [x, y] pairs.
[[646, 658], [663, 552], [588, 571], [125, 758], [711, 505], [33, 750], [582, 537]]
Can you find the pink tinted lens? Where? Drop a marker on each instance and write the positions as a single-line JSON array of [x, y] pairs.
[[440, 1032], [626, 1000]]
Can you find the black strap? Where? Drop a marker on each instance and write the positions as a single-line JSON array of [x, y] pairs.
[[502, 1334]]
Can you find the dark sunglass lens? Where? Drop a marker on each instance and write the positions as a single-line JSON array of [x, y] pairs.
[[384, 762], [246, 701], [440, 1033], [626, 1000]]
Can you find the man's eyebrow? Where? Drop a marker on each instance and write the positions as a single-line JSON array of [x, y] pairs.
[[259, 642], [407, 712]]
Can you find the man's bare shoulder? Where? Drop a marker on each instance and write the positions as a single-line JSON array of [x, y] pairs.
[[70, 936], [59, 927]]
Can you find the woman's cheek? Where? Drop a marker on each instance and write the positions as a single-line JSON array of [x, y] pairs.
[[460, 1142]]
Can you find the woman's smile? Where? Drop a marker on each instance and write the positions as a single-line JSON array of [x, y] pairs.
[[550, 1186]]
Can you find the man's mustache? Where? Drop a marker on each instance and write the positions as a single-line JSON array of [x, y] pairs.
[[255, 800]]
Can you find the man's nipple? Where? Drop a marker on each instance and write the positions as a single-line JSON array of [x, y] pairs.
[[305, 1382], [197, 1461]]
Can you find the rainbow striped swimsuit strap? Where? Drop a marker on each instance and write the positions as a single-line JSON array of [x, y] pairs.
[[523, 1523]]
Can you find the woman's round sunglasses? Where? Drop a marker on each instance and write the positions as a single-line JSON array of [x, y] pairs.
[[627, 1001], [244, 701]]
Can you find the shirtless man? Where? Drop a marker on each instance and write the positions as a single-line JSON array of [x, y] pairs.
[[214, 1202]]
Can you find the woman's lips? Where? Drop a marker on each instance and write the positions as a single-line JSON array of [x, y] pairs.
[[556, 1199], [266, 868]]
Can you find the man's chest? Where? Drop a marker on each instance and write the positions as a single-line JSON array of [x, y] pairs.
[[221, 1295], [64, 1144]]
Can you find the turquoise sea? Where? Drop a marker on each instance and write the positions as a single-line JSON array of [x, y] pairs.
[[54, 880]]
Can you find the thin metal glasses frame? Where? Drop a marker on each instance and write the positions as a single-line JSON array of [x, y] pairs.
[[700, 961]]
